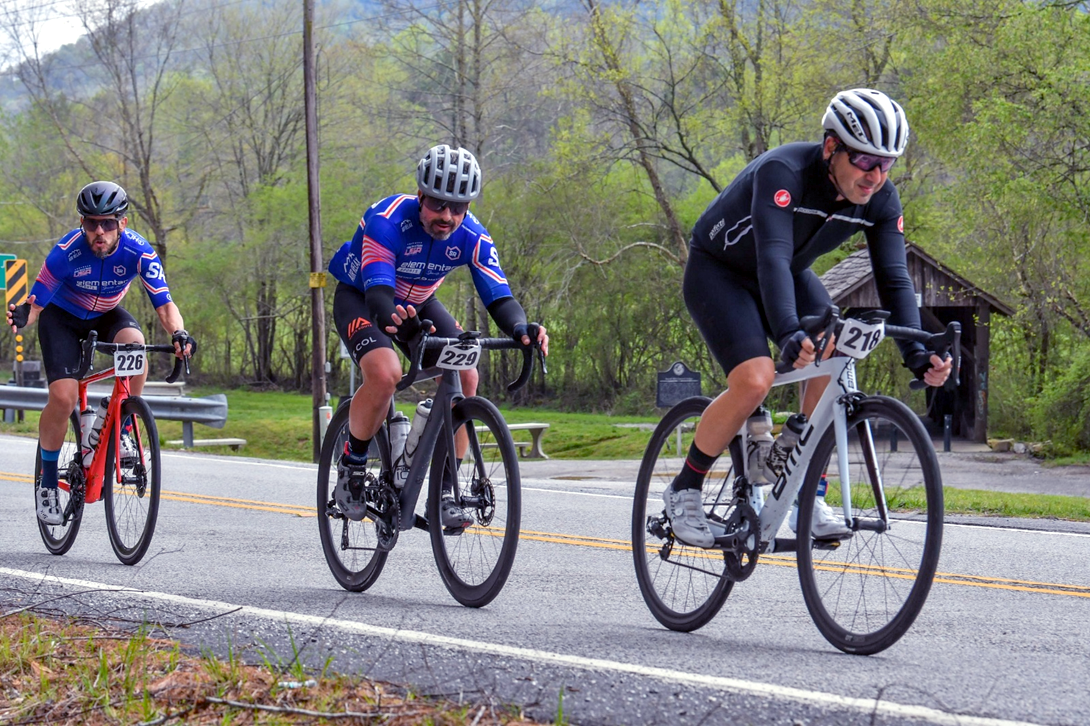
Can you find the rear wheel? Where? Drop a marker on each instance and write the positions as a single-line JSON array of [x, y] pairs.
[[865, 593], [683, 586], [475, 561], [131, 489], [351, 548], [59, 538]]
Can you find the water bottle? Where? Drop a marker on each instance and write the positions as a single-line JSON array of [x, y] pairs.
[[86, 421], [759, 427], [96, 429], [399, 433], [784, 443], [423, 410]]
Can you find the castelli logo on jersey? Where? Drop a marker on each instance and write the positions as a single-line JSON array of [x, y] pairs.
[[782, 198], [901, 224], [357, 325]]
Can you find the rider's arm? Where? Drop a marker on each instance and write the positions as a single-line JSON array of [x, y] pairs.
[[170, 317], [886, 244], [151, 272], [507, 313], [776, 192], [54, 271], [380, 305]]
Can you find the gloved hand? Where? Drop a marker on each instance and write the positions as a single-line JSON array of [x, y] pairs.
[[410, 327], [180, 338], [919, 362], [20, 314], [791, 346], [530, 330]]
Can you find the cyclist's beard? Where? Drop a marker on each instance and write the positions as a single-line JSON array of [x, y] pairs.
[[104, 252]]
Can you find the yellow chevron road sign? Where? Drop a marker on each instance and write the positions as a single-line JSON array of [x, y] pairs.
[[16, 282]]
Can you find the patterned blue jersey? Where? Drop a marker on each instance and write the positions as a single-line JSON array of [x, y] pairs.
[[391, 248], [74, 279]]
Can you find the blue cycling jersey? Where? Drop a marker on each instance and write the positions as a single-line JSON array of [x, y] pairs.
[[74, 279], [391, 248]]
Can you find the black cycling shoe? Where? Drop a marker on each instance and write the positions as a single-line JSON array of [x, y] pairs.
[[451, 515], [352, 480]]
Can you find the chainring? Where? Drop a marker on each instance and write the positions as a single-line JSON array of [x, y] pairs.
[[741, 542], [386, 509]]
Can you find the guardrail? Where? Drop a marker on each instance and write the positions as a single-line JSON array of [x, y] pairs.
[[208, 410]]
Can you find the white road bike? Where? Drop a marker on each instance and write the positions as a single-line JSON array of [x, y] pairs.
[[864, 591]]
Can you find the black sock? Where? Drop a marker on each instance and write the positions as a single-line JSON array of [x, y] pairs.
[[696, 465], [358, 447]]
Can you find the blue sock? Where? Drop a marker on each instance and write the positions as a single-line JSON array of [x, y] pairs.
[[49, 468]]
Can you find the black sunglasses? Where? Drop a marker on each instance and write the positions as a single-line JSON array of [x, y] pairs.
[[867, 162], [438, 205], [107, 225]]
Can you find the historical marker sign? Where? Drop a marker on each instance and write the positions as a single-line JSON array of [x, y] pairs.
[[676, 384]]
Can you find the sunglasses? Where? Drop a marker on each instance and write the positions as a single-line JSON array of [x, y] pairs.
[[107, 225], [438, 205], [867, 162]]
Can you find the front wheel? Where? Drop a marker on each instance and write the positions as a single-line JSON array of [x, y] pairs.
[[59, 538], [865, 593], [684, 587], [351, 547], [474, 561], [131, 489]]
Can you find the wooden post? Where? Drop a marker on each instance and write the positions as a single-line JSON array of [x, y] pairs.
[[980, 354], [317, 299]]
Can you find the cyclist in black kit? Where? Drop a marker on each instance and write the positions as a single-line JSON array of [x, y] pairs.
[[748, 276]]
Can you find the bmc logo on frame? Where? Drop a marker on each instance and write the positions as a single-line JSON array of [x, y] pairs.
[[782, 198], [357, 325]]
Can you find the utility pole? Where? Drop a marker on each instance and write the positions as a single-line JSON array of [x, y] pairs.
[[317, 272]]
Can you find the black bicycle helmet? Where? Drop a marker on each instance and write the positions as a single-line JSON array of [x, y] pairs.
[[102, 199]]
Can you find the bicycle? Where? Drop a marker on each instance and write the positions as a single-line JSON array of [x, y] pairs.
[[862, 592], [473, 562], [131, 490]]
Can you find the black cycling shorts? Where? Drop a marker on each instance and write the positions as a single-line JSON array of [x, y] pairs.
[[726, 307], [361, 336], [60, 334]]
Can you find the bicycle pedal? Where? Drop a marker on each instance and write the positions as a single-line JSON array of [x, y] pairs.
[[829, 544], [454, 531]]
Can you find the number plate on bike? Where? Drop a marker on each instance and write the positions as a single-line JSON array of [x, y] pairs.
[[858, 339], [459, 356], [129, 362]]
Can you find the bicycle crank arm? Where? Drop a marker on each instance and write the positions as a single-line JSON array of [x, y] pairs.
[[869, 525]]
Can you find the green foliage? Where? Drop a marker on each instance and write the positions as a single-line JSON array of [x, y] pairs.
[[1061, 412]]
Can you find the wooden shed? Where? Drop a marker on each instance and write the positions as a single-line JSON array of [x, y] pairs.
[[943, 296]]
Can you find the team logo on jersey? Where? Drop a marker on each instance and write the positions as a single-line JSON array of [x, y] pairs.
[[453, 253], [414, 249], [405, 224], [901, 224], [82, 271], [718, 226], [120, 270], [782, 198], [357, 325], [74, 254], [351, 265]]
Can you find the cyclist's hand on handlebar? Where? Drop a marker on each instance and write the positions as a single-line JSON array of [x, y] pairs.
[[19, 315], [185, 345], [798, 349], [531, 334], [929, 368], [406, 324]]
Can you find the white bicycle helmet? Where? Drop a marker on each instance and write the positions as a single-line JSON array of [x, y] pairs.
[[449, 174], [868, 121]]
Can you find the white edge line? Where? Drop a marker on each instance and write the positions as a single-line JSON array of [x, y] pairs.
[[735, 685]]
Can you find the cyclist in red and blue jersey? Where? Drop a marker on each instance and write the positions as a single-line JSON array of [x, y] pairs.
[[748, 277], [79, 289], [387, 275]]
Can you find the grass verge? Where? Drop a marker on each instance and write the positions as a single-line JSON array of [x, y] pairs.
[[63, 671]]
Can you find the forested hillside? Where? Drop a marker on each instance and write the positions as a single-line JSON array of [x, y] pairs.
[[603, 129]]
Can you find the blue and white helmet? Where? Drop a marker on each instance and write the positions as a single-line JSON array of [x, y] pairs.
[[450, 174], [868, 121]]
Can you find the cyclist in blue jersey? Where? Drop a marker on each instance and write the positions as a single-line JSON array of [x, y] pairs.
[[388, 273], [748, 276], [79, 289]]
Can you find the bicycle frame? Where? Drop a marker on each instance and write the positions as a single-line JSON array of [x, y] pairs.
[[96, 472]]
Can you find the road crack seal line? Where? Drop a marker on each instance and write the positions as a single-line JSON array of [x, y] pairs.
[[733, 685]]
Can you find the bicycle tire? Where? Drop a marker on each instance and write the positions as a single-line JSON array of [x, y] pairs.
[[132, 502], [350, 547], [59, 538], [684, 587], [474, 562], [861, 603]]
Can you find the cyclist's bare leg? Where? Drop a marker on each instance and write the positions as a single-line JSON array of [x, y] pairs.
[[133, 335], [63, 396], [470, 379], [747, 386], [381, 371]]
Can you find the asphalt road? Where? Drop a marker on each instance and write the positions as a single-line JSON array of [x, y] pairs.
[[236, 565]]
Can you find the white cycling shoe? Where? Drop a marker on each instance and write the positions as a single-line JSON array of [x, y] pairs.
[[49, 506], [685, 510], [826, 523]]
